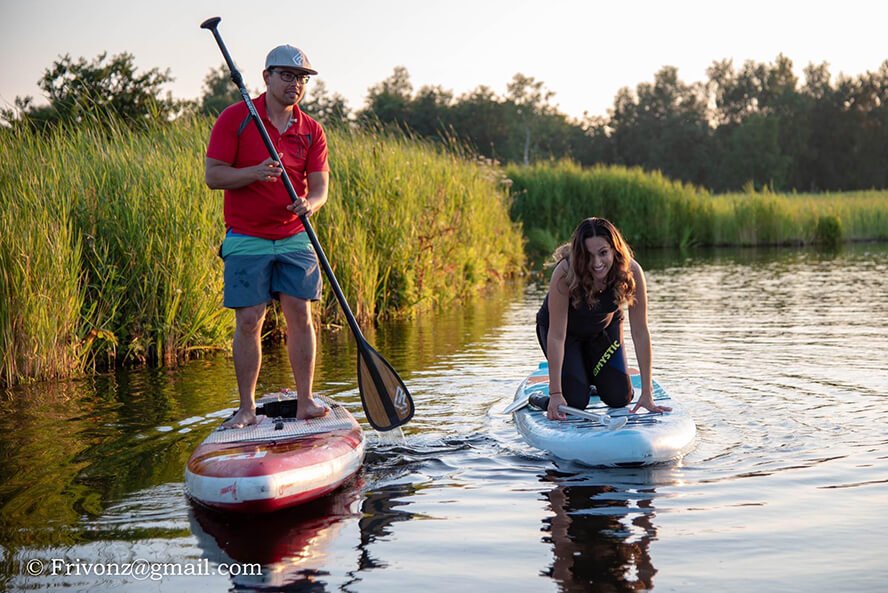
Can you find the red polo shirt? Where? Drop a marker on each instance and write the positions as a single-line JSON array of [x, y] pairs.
[[260, 209]]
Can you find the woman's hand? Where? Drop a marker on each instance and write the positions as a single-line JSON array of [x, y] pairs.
[[646, 401], [555, 401]]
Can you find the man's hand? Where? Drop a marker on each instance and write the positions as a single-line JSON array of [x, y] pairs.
[[268, 170], [221, 175], [301, 207]]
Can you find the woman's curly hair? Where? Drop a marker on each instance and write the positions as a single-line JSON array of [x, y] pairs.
[[579, 270]]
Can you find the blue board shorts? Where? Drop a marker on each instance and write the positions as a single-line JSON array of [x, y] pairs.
[[259, 270]]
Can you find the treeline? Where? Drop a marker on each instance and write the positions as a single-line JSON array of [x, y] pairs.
[[755, 127]]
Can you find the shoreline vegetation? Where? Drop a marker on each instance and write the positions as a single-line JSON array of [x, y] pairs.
[[108, 237], [654, 211]]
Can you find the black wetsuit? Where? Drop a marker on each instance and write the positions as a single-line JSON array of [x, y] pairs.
[[593, 352]]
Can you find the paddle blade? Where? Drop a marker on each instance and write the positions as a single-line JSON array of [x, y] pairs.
[[516, 405], [385, 398]]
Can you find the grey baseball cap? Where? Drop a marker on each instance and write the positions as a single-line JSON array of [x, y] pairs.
[[287, 56]]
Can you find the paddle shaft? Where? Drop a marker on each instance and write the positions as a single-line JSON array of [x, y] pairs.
[[517, 405], [603, 419], [364, 349]]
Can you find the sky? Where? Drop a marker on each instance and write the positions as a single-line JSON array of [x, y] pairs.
[[583, 51]]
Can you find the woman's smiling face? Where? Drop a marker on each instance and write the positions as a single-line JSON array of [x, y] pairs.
[[601, 256]]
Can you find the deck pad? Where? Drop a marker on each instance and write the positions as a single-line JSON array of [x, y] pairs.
[[338, 419]]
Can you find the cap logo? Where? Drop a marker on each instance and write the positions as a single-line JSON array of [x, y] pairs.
[[297, 59]]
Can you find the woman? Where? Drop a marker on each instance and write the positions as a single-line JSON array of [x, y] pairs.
[[580, 325]]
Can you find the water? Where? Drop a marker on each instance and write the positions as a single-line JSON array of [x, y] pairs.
[[779, 354]]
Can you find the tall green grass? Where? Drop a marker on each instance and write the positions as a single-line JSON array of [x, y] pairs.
[[410, 225], [41, 295], [108, 241], [551, 198], [652, 211], [757, 218]]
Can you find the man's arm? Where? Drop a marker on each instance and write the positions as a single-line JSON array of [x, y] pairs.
[[221, 175]]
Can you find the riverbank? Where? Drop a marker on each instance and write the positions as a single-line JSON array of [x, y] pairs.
[[108, 239], [654, 211], [108, 242]]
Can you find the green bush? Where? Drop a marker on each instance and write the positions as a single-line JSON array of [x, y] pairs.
[[829, 231]]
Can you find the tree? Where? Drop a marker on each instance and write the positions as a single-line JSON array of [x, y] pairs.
[[733, 93], [872, 101], [329, 109], [482, 119], [750, 153], [663, 126], [752, 124], [430, 112], [389, 101], [99, 91], [218, 92], [532, 101], [834, 126]]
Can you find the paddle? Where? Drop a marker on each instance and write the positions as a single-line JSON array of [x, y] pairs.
[[609, 422], [520, 403], [385, 398], [517, 404]]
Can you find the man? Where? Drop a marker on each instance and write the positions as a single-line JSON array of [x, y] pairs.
[[267, 254]]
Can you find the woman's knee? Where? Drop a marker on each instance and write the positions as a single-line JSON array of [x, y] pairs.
[[616, 392], [576, 393]]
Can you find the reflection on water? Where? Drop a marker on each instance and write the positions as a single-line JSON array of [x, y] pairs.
[[601, 528], [778, 354], [287, 545]]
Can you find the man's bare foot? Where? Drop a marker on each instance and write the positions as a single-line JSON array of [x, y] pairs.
[[242, 419], [310, 409]]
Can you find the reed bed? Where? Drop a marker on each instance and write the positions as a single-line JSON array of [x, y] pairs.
[[41, 295], [412, 225], [108, 241], [549, 199], [800, 218]]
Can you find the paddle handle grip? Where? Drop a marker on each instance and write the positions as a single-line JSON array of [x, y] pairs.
[[211, 23]]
